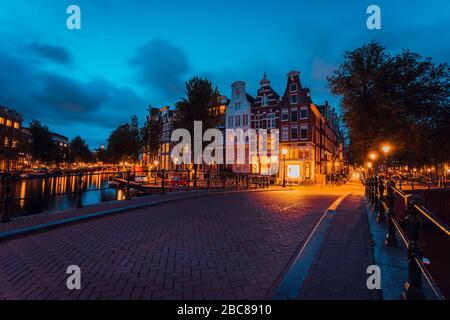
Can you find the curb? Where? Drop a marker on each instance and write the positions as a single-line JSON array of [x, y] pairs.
[[292, 281], [8, 235]]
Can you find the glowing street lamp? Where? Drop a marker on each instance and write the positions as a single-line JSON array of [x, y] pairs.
[[156, 162], [386, 149], [284, 152], [373, 155]]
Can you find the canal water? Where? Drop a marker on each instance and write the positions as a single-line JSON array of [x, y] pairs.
[[33, 196]]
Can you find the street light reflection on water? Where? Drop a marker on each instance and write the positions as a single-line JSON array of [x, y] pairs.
[[36, 196]]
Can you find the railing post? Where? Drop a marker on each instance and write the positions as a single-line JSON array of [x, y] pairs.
[[80, 191], [380, 216], [247, 185], [372, 190], [163, 176], [413, 287], [236, 181], [391, 239], [375, 195], [188, 179], [208, 181], [6, 191], [195, 177], [128, 193]]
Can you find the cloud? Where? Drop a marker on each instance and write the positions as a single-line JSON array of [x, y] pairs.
[[60, 101], [161, 67], [51, 52]]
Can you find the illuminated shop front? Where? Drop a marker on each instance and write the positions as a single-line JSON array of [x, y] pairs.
[[298, 163]]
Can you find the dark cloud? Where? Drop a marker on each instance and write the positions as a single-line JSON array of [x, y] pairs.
[[63, 94], [60, 101], [50, 52], [161, 67]]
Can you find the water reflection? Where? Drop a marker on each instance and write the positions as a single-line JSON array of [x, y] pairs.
[[38, 195]]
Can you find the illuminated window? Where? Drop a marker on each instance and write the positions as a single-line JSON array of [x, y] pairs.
[[16, 125], [9, 123], [307, 170], [245, 120], [271, 121], [238, 120], [230, 121], [294, 171], [2, 120]]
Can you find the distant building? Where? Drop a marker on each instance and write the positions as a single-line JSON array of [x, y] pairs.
[[332, 151], [62, 146], [162, 159], [10, 125], [309, 134], [237, 116], [265, 114]]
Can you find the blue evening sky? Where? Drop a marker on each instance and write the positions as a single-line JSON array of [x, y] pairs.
[[130, 54]]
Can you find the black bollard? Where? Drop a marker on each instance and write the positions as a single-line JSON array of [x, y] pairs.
[[163, 176], [391, 238], [413, 287], [188, 180], [375, 197], [128, 193], [6, 184], [80, 191], [381, 217]]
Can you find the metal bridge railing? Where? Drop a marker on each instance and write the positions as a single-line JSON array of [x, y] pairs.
[[158, 181], [384, 206]]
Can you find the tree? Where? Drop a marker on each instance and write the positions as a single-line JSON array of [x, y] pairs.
[[100, 155], [79, 151], [125, 143], [151, 134], [202, 103], [41, 145], [402, 99]]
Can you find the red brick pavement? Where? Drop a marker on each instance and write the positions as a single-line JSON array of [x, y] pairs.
[[339, 268], [231, 246], [44, 218]]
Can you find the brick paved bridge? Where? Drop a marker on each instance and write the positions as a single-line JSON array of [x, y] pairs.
[[228, 246]]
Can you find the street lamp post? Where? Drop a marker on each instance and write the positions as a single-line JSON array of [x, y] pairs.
[[156, 162], [369, 167], [385, 148], [284, 151], [372, 157]]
